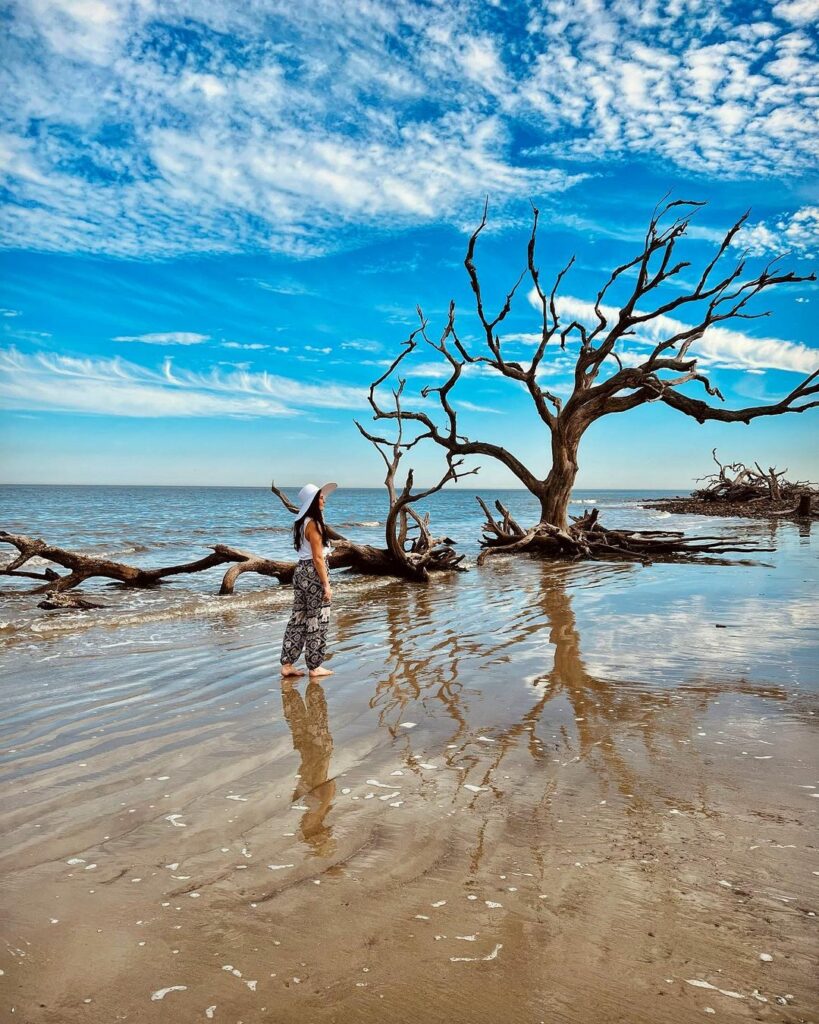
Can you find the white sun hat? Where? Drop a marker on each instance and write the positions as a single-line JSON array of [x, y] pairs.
[[308, 493]]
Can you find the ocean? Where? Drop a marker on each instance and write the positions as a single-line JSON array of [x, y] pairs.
[[150, 526]]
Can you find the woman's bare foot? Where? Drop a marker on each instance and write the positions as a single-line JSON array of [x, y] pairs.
[[291, 670], [320, 671]]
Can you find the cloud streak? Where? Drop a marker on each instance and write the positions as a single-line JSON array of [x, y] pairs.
[[166, 338], [114, 387]]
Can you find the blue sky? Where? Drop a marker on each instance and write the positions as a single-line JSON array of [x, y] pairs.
[[218, 220]]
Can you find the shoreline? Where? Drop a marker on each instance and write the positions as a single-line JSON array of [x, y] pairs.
[[771, 510]]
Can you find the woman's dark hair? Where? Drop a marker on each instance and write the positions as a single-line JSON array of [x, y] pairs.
[[314, 513]]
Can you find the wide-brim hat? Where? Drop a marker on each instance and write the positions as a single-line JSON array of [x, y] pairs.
[[308, 493]]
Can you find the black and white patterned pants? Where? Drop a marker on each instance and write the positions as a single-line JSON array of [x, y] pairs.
[[309, 620]]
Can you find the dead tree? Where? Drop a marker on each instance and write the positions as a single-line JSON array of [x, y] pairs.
[[412, 552], [604, 382]]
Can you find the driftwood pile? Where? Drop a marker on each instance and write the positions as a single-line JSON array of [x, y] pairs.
[[736, 482], [747, 492]]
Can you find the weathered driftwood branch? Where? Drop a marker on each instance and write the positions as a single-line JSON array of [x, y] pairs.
[[358, 557], [418, 556], [742, 491], [83, 567]]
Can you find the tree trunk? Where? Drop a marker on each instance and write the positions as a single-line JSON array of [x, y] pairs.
[[557, 488]]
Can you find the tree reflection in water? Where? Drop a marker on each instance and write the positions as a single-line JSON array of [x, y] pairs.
[[612, 725]]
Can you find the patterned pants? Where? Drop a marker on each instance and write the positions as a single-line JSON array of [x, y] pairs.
[[307, 628]]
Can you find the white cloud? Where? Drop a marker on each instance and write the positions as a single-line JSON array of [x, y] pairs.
[[56, 383], [217, 152], [472, 407], [146, 129], [287, 286], [166, 338], [252, 346], [795, 232], [362, 345], [640, 81], [720, 347], [798, 12]]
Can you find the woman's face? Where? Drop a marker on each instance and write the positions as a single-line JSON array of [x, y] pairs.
[[322, 501]]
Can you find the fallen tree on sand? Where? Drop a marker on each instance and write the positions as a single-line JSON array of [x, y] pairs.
[[82, 567], [584, 537], [736, 482]]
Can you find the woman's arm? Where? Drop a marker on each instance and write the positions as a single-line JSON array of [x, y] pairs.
[[313, 535]]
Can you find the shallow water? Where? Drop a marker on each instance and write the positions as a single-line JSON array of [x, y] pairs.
[[583, 787]]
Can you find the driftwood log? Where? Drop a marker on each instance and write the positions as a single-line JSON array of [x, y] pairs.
[[81, 567], [741, 491]]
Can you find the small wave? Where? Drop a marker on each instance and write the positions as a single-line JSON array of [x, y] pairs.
[[364, 522], [131, 549], [265, 529]]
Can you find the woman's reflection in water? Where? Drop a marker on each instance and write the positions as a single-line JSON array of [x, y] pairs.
[[308, 723]]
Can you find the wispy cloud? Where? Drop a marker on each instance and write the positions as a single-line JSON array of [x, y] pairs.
[[166, 338], [720, 347], [285, 286], [472, 407], [362, 345], [114, 387]]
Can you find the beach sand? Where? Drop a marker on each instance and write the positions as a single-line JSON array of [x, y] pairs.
[[535, 794]]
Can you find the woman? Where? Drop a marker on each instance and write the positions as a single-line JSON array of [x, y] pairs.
[[307, 628]]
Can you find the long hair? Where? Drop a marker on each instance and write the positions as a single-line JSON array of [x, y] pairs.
[[314, 513]]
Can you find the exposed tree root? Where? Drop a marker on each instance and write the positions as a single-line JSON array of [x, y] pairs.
[[586, 538]]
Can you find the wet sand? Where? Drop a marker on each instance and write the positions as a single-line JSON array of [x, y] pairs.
[[546, 794]]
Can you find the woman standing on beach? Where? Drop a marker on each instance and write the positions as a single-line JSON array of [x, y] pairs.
[[307, 628]]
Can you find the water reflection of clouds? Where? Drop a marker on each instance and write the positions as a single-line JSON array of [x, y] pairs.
[[760, 636]]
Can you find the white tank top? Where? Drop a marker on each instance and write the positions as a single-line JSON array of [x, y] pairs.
[[305, 551]]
